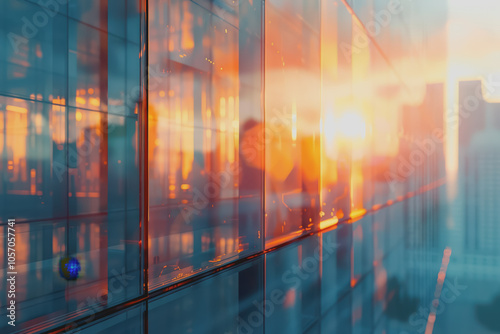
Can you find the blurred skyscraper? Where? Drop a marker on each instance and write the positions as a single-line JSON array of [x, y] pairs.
[[478, 181], [482, 184]]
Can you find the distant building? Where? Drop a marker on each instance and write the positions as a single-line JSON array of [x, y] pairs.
[[482, 185]]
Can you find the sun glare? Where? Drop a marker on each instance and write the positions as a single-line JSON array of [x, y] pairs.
[[352, 125]]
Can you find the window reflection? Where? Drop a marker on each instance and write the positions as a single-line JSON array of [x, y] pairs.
[[129, 321], [337, 97], [338, 114], [293, 286], [69, 156], [203, 210], [292, 133], [223, 303]]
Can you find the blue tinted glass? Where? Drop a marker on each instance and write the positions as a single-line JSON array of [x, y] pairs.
[[126, 322], [34, 54], [296, 166], [229, 302], [362, 248], [69, 168], [293, 286], [336, 266], [34, 158]]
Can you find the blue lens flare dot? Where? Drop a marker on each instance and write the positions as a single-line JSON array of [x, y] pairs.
[[69, 268]]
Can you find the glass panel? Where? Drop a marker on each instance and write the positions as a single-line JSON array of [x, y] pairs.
[[33, 57], [52, 6], [40, 291], [104, 70], [293, 286], [110, 15], [362, 248], [352, 116], [336, 265], [88, 86], [227, 303], [204, 193], [33, 136], [362, 305], [292, 133], [69, 168], [339, 318], [337, 129], [127, 322]]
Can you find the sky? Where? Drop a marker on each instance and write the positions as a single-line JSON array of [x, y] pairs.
[[473, 53]]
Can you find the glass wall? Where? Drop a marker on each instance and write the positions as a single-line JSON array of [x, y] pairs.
[[292, 132], [290, 149], [69, 152], [205, 177], [220, 304]]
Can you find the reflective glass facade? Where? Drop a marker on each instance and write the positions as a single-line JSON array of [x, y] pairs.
[[70, 155], [205, 184], [242, 166]]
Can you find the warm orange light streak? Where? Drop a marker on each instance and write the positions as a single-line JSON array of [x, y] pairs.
[[282, 239], [187, 42], [357, 213], [16, 109], [33, 182], [231, 149], [95, 102], [81, 100], [328, 223], [439, 287]]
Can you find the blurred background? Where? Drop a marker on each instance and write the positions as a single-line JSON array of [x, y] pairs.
[[251, 166]]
